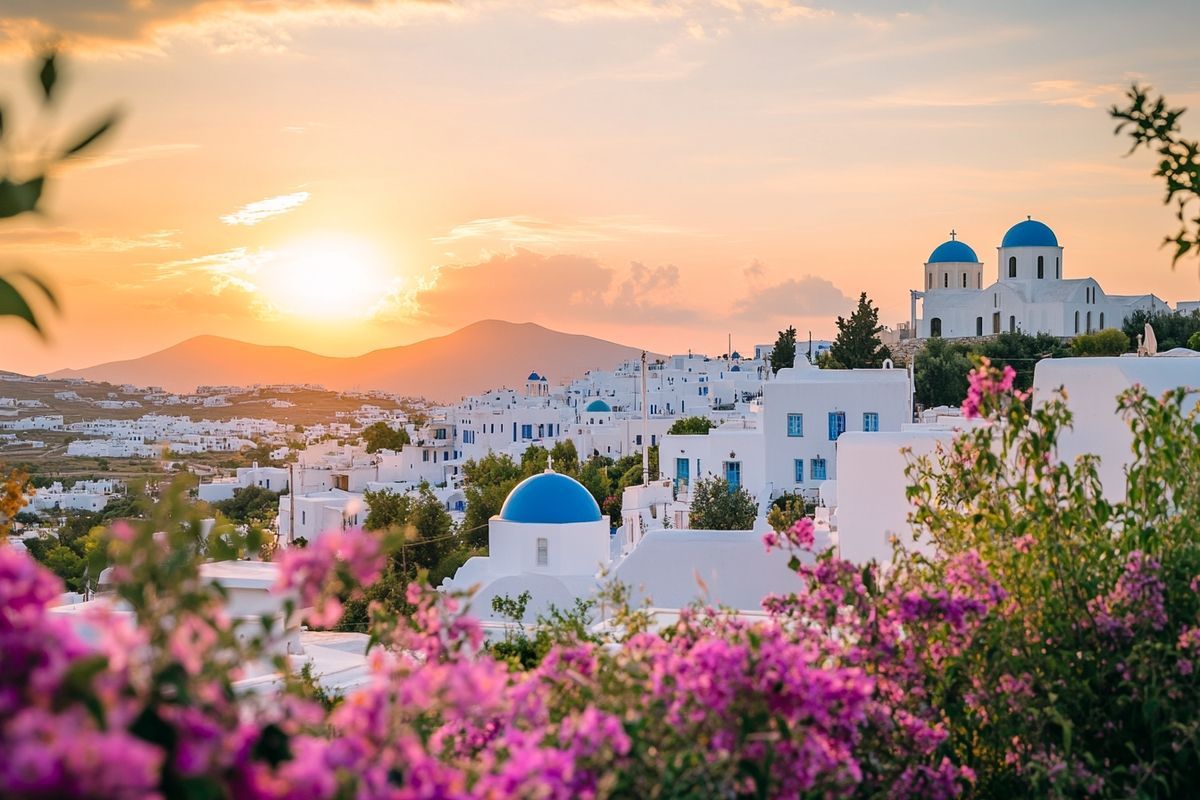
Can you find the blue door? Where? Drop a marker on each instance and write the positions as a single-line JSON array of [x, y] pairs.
[[733, 474], [682, 473], [837, 424]]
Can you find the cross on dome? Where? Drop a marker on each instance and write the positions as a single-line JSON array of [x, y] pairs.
[[953, 234]]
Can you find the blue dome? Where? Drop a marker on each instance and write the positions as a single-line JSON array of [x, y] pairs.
[[550, 498], [533, 376], [735, 368], [598, 407], [1030, 233], [953, 252]]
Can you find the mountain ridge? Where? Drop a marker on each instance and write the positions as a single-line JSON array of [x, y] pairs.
[[483, 355]]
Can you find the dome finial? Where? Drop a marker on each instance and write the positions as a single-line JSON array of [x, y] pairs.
[[1029, 216], [953, 235], [550, 463]]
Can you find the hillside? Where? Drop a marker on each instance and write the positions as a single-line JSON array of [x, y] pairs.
[[481, 356]]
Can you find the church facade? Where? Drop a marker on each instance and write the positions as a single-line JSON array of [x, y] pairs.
[[1029, 294]]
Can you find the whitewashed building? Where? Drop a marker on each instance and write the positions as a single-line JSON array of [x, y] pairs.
[[1030, 292]]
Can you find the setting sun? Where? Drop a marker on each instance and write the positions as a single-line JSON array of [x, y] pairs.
[[328, 277]]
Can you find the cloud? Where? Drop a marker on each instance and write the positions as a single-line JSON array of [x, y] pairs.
[[132, 155], [563, 288], [260, 210], [69, 240], [808, 296], [1076, 93], [524, 285], [142, 27], [527, 231]]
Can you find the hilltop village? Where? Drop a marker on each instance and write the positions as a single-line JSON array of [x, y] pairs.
[[660, 431]]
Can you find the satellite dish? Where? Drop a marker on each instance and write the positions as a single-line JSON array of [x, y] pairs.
[[1150, 342]]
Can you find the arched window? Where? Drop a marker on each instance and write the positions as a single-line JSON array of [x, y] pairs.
[[979, 281], [1101, 320], [946, 281], [1041, 267], [1077, 322], [979, 326], [1089, 322], [935, 327], [1012, 266], [1012, 324]]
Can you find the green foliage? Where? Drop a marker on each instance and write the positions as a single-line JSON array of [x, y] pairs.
[[1193, 342], [787, 509], [1171, 329], [486, 483], [565, 456], [20, 195], [940, 367], [857, 344], [716, 506], [1108, 342], [524, 649], [250, 504], [1097, 593], [1155, 126], [426, 548], [691, 426], [940, 373], [381, 436], [784, 353]]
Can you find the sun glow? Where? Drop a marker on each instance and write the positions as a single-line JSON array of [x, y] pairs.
[[330, 277]]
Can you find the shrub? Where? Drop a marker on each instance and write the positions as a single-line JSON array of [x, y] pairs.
[[1108, 342]]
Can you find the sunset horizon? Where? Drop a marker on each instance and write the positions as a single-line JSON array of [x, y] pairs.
[[341, 177]]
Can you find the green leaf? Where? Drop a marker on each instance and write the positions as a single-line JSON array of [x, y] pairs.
[[17, 198], [12, 304], [40, 284], [49, 75], [107, 123]]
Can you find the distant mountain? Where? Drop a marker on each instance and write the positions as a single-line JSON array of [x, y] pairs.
[[481, 356]]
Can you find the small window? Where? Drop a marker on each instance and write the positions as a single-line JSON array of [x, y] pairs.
[[930, 280], [964, 280], [1057, 268], [543, 551], [818, 469], [871, 421], [1012, 266], [1089, 322], [795, 424], [935, 327], [979, 326], [946, 281], [1101, 320], [1012, 324], [996, 322], [1041, 266], [798, 467], [1077, 322], [303, 517]]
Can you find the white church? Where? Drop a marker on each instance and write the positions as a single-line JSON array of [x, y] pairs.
[[1029, 294]]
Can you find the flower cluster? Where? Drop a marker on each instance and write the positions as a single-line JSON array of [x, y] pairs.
[[984, 383]]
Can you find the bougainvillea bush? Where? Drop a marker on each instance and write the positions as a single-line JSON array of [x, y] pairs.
[[1047, 647]]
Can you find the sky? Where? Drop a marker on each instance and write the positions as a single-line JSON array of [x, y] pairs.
[[345, 175]]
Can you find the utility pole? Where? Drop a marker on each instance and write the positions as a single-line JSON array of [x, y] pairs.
[[291, 502], [645, 428]]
